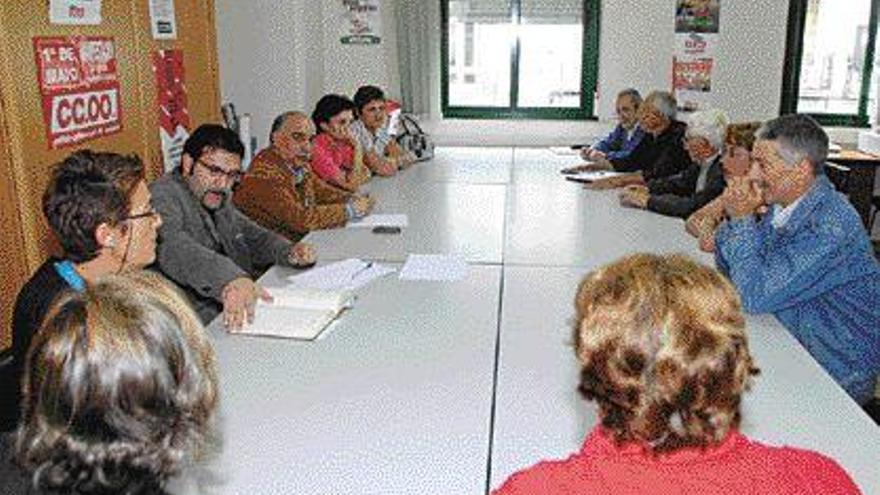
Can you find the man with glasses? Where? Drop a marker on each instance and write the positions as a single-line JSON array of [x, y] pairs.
[[208, 247], [281, 192]]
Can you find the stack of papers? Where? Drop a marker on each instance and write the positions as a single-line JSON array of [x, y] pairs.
[[348, 274], [377, 219], [434, 267]]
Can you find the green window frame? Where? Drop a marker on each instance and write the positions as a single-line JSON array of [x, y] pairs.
[[797, 18], [589, 66]]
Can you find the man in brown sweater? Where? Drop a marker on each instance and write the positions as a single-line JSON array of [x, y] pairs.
[[280, 192]]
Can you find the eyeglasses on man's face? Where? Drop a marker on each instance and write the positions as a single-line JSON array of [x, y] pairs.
[[151, 213], [217, 173]]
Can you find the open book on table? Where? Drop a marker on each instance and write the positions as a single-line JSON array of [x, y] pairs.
[[297, 313]]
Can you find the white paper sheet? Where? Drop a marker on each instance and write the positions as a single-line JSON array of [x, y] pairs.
[[377, 219], [347, 274], [436, 267]]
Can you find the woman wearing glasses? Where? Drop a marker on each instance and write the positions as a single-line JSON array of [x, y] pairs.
[[98, 206]]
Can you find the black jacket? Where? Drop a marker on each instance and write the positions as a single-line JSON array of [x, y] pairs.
[[31, 306], [677, 196], [659, 156]]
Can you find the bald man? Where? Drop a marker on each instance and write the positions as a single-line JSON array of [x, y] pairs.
[[280, 192]]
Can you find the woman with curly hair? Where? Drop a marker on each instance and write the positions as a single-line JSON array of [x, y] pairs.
[[663, 349], [120, 391], [735, 161]]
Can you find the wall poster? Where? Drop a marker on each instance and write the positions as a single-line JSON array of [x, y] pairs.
[[693, 62], [79, 87], [82, 12], [174, 121], [361, 22], [163, 23]]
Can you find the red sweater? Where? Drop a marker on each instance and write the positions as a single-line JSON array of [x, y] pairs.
[[737, 465]]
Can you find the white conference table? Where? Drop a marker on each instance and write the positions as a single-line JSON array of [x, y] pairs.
[[444, 217], [792, 402], [399, 395], [394, 397]]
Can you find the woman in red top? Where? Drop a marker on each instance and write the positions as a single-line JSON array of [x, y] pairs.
[[337, 157], [664, 353]]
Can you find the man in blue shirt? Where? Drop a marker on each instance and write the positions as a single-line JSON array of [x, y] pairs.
[[808, 260], [625, 136]]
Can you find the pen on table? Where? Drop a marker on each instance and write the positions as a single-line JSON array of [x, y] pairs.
[[362, 269]]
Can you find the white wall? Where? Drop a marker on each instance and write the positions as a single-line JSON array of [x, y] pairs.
[[636, 44], [263, 58], [284, 55], [279, 55], [347, 67]]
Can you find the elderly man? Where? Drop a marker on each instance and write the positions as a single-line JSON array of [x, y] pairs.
[[208, 247], [621, 142], [659, 154], [684, 193], [281, 193], [808, 260]]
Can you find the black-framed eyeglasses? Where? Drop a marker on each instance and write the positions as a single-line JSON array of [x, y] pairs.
[[217, 172], [151, 213]]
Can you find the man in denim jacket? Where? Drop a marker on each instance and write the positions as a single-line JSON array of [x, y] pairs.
[[808, 260]]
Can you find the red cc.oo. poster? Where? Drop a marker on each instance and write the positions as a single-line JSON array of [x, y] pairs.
[[79, 87]]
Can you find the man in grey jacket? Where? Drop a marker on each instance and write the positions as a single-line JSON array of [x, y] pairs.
[[208, 247]]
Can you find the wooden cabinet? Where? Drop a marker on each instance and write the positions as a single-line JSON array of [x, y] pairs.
[[26, 156]]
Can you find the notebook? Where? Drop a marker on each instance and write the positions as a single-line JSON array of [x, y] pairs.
[[588, 177], [297, 313]]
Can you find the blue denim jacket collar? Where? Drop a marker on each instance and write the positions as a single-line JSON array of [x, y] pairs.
[[818, 192]]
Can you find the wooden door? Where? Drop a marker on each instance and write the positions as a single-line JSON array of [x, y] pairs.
[[27, 158]]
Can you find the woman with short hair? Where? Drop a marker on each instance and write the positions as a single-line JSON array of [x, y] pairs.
[[337, 157], [99, 208], [382, 154], [735, 162], [120, 391], [663, 351]]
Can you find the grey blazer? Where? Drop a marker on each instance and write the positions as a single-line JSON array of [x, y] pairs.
[[202, 252]]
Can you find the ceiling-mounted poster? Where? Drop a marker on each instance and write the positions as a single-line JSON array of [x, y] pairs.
[[361, 22]]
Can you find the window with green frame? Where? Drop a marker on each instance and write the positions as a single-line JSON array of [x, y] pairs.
[[508, 59], [829, 61]]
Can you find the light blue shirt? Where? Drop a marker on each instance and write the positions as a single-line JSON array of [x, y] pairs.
[[368, 141]]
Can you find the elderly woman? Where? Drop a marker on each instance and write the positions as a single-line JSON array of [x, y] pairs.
[[337, 156], [702, 181], [735, 162], [659, 154], [663, 349], [99, 209], [120, 392], [382, 155]]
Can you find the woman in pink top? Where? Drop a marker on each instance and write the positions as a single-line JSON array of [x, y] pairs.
[[663, 349], [337, 157]]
